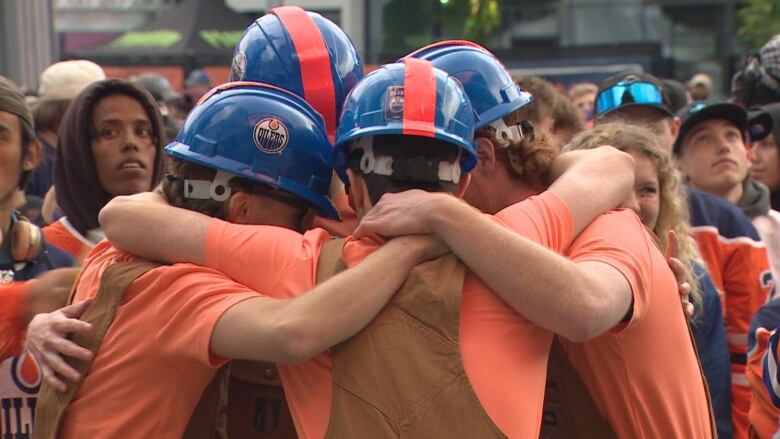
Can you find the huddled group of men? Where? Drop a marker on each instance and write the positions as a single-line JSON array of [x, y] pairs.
[[431, 250]]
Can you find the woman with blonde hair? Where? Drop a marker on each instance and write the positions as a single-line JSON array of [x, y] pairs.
[[659, 200]]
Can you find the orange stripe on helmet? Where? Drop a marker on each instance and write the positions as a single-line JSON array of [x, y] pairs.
[[314, 59], [231, 85], [419, 98], [448, 43]]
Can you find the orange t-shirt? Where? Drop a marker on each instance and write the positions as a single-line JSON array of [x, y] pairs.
[[63, 236], [11, 328], [495, 341], [644, 374], [154, 362]]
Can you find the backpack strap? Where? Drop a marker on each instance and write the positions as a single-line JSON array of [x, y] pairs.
[[113, 283]]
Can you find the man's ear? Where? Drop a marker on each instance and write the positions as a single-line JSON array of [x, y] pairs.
[[238, 208], [486, 155], [357, 193], [463, 184], [676, 126], [32, 157]]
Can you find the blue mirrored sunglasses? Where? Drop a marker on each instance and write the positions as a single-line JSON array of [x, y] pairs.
[[628, 92]]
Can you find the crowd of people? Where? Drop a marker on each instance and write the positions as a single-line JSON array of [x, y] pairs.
[[432, 249]]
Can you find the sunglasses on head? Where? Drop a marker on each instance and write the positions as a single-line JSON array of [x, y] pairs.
[[628, 92]]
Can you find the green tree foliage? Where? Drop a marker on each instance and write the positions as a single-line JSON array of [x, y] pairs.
[[758, 21], [483, 21], [409, 24]]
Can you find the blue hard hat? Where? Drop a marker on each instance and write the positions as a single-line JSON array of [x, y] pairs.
[[262, 133], [490, 88], [408, 98], [292, 49]]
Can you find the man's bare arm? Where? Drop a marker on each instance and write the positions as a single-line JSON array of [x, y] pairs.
[[578, 301], [293, 330], [592, 182], [146, 225]]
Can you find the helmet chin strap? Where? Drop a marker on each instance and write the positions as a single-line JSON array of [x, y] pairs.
[[217, 189], [513, 133], [383, 165]]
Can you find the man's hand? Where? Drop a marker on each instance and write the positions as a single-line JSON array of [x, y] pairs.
[[678, 268], [49, 291], [47, 342], [404, 213]]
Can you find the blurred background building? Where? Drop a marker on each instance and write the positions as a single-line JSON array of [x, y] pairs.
[[564, 40]]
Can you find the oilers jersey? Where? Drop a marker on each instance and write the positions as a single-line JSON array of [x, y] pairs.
[[739, 265]]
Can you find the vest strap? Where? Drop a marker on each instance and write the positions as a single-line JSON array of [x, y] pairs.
[[113, 283], [569, 410]]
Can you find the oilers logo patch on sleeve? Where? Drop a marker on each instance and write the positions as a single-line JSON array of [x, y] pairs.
[[271, 135], [394, 103]]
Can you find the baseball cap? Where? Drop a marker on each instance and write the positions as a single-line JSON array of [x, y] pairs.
[[697, 112], [758, 126], [676, 92], [12, 101], [158, 86], [702, 79], [66, 79], [197, 77], [630, 89]]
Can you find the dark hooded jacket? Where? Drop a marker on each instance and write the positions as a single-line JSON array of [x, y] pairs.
[[755, 198], [80, 195]]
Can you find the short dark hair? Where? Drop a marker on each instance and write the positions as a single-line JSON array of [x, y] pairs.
[[405, 148], [566, 117], [749, 91], [27, 137], [48, 114], [178, 170]]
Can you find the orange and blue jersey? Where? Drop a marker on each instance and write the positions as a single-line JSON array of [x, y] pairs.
[[769, 367], [19, 373], [12, 298], [762, 371], [739, 266]]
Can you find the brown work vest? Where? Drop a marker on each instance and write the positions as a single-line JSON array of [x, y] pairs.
[[402, 376], [256, 406], [569, 409], [113, 283], [243, 400]]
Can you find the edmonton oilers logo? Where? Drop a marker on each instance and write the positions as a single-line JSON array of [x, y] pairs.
[[271, 135], [394, 103], [26, 373], [238, 66]]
